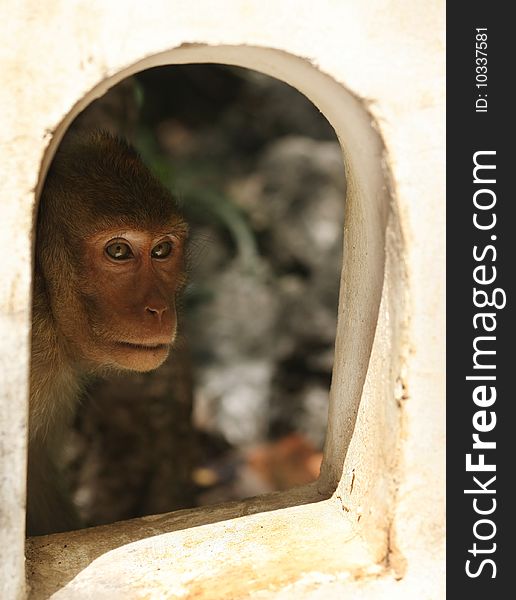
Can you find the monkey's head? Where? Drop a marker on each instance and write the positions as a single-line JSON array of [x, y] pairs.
[[109, 255]]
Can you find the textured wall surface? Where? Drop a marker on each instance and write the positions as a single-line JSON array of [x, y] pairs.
[[374, 525]]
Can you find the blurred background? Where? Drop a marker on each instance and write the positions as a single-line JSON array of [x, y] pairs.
[[240, 407]]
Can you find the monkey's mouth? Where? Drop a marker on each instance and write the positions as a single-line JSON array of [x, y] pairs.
[[144, 347]]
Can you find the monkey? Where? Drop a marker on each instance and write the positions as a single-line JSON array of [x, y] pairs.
[[109, 265]]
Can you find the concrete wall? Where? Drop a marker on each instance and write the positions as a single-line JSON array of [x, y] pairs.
[[373, 525]]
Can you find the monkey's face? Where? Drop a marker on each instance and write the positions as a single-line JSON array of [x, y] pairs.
[[128, 281], [109, 256]]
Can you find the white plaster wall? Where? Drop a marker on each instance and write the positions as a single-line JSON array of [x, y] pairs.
[[390, 54]]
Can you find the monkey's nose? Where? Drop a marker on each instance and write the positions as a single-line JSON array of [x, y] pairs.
[[156, 311]]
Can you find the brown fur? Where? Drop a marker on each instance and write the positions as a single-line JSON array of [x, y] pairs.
[[91, 312]]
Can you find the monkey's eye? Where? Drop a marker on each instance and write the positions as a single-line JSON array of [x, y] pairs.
[[161, 250], [119, 251]]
